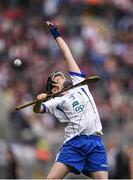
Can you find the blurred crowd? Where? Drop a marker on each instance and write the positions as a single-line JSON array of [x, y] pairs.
[[100, 36]]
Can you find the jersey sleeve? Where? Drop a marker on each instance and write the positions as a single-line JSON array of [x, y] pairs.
[[77, 77]]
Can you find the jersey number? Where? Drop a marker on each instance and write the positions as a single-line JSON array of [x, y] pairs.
[[78, 107]]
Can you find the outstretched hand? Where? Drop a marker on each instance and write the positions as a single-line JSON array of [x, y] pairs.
[[50, 24], [53, 29]]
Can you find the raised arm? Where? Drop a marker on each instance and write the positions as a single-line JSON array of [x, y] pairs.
[[70, 61]]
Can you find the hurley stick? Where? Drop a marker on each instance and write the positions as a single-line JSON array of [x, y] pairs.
[[89, 80]]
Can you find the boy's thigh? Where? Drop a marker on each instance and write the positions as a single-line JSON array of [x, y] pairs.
[[58, 171], [99, 175]]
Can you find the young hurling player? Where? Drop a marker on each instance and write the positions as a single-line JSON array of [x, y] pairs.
[[83, 150]]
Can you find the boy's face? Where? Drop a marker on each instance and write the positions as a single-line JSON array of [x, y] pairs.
[[59, 79]]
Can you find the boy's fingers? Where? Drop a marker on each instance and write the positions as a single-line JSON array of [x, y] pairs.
[[47, 23], [50, 24]]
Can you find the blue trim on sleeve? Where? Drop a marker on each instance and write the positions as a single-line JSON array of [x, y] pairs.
[[44, 108], [77, 74]]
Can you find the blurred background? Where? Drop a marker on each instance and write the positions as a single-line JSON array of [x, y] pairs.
[[100, 36]]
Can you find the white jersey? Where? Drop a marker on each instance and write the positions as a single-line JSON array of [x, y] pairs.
[[76, 109]]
